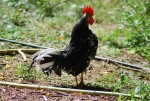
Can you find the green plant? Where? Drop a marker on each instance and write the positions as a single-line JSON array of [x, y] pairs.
[[46, 8], [134, 20], [112, 38], [12, 19], [143, 89], [16, 12], [22, 71]]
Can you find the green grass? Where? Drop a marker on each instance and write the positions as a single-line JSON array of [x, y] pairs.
[[22, 72], [134, 21], [35, 22]]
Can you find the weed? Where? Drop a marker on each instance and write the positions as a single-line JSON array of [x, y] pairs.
[[22, 71], [135, 22], [143, 89]]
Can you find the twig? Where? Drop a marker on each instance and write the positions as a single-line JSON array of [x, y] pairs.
[[2, 64], [121, 63], [22, 54], [93, 92]]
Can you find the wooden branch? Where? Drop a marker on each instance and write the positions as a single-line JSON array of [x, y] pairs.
[[122, 63], [22, 54], [2, 63], [92, 92]]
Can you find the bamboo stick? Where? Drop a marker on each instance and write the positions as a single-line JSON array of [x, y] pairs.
[[92, 92], [29, 51]]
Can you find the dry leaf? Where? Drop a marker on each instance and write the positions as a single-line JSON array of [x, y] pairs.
[[41, 90], [48, 94], [7, 66], [19, 80], [105, 72], [61, 38], [1, 76]]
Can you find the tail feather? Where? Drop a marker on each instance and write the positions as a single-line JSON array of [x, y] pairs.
[[59, 65], [44, 59]]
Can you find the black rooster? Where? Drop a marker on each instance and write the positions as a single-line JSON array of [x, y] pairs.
[[77, 55]]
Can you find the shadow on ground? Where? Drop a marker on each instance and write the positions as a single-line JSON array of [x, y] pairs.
[[88, 86]]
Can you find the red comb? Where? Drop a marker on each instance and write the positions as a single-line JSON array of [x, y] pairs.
[[88, 9]]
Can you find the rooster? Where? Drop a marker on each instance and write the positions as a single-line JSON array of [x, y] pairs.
[[76, 57]]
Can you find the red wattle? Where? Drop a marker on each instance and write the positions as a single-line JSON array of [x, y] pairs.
[[91, 21]]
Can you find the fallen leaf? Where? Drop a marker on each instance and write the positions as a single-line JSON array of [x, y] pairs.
[[74, 93], [61, 38], [1, 76], [48, 94], [105, 72], [41, 90], [7, 66], [19, 80]]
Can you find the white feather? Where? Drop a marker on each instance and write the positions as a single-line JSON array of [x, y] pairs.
[[40, 56], [38, 69], [43, 66]]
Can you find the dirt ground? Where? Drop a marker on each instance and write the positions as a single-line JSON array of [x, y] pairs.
[[47, 95], [97, 70]]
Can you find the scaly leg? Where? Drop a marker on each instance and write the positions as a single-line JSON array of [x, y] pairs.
[[76, 81], [81, 82]]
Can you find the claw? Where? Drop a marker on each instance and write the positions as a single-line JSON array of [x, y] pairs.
[[47, 71], [81, 84]]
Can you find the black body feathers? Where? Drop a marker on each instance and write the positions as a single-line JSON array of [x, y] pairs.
[[77, 55]]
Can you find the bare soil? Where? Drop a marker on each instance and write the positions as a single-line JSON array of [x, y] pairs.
[[9, 93]]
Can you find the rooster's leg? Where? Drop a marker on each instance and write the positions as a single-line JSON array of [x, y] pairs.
[[76, 82], [81, 82]]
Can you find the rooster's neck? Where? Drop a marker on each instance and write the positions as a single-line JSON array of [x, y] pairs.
[[83, 21]]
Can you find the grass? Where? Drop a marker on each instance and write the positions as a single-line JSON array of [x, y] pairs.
[[50, 23], [19, 24]]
